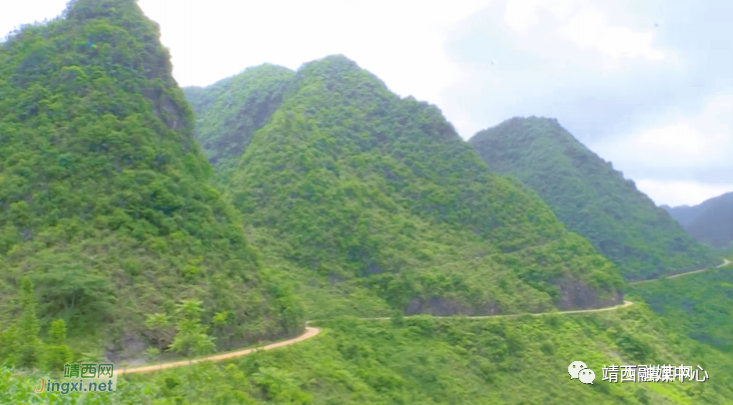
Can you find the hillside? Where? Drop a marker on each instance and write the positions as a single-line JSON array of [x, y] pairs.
[[710, 222], [105, 201], [372, 203], [436, 361], [591, 198], [699, 305], [232, 109]]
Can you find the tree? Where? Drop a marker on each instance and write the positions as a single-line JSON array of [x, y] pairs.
[[159, 324], [30, 345], [191, 337], [58, 352]]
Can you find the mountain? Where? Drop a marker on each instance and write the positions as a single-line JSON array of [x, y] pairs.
[[591, 198], [235, 107], [684, 214], [374, 203], [710, 222], [105, 200]]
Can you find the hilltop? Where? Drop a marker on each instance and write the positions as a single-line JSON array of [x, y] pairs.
[[591, 198], [372, 202], [105, 200]]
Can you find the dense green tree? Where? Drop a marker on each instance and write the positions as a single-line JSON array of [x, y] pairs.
[[105, 201], [230, 110], [371, 202], [591, 198], [699, 305]]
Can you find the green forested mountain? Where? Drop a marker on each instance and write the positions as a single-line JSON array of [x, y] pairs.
[[368, 196], [363, 202], [710, 222], [105, 205], [591, 198], [232, 109]]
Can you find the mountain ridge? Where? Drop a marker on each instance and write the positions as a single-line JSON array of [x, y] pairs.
[[342, 143], [710, 222], [590, 197]]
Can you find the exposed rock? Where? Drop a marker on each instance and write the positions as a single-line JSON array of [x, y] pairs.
[[576, 295]]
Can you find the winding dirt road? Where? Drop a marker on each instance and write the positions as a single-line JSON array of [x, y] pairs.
[[725, 263], [309, 333], [312, 332]]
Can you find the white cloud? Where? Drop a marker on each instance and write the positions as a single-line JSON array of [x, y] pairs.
[[17, 13], [401, 42], [674, 193], [587, 27], [520, 15], [590, 29], [690, 141]]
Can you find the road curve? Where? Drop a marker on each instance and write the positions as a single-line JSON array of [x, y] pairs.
[[725, 263], [312, 331], [309, 333]]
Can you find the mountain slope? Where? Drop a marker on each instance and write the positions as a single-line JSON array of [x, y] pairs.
[[591, 198], [425, 360], [372, 199], [104, 194], [232, 109], [698, 305], [710, 222]]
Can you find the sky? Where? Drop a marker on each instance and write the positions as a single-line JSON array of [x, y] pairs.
[[645, 84]]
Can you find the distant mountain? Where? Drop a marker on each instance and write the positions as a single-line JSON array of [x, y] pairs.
[[591, 198], [377, 198], [684, 214], [230, 110], [105, 201], [710, 222]]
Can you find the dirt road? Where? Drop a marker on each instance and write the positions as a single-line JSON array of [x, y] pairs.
[[311, 332], [725, 263]]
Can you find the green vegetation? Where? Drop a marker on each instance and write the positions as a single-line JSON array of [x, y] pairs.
[[709, 222], [230, 110], [365, 198], [192, 337], [114, 239], [426, 360], [699, 305], [105, 203], [591, 198]]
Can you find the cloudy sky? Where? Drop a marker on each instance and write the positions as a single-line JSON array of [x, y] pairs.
[[646, 84]]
